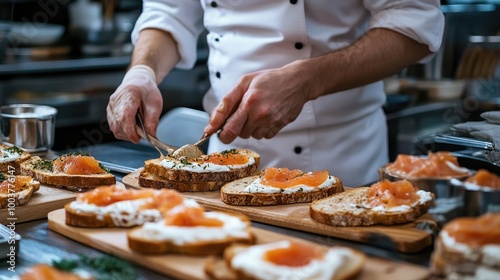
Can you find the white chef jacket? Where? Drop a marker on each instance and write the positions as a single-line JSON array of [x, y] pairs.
[[343, 132]]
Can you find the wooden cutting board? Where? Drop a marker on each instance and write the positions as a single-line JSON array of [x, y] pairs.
[[406, 238], [43, 201], [114, 241]]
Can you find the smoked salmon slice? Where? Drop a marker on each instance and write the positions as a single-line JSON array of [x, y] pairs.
[[47, 272], [484, 178], [475, 231], [392, 194], [286, 178], [436, 165], [107, 195], [296, 255], [77, 165], [14, 185], [229, 157], [191, 217]]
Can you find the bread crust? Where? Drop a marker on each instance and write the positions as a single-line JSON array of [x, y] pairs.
[[336, 211], [85, 219], [154, 167], [233, 193], [147, 180], [21, 197], [139, 243], [66, 181]]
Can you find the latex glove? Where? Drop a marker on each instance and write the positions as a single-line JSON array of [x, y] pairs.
[[138, 88], [260, 104]]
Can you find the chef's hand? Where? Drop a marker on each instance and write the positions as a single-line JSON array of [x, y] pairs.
[[138, 89], [260, 104]]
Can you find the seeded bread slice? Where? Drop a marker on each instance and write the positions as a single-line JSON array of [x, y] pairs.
[[123, 218], [233, 193], [21, 197], [154, 166], [147, 180], [12, 167], [138, 242], [78, 183], [343, 210], [220, 269]]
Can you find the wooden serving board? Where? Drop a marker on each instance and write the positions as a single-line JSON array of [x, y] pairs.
[[43, 201], [114, 241], [406, 238]]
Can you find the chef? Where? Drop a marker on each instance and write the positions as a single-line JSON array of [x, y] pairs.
[[297, 81]]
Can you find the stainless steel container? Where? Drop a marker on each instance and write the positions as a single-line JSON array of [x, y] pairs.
[[28, 126], [478, 200]]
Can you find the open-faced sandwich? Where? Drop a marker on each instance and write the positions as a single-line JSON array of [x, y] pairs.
[[206, 173], [286, 260], [16, 190], [386, 203], [10, 159], [468, 248], [280, 186], [191, 231], [74, 172], [116, 206]]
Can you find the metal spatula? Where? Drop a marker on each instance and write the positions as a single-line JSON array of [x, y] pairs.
[[155, 142], [191, 150]]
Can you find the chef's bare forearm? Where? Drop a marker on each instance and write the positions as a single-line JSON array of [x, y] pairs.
[[377, 55], [157, 49]]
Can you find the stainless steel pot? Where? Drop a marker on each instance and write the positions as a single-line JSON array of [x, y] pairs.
[[28, 126], [478, 200]]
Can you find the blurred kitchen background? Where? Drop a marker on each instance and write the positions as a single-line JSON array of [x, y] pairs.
[[72, 54]]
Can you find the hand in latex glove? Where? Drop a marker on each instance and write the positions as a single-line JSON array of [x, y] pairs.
[[138, 88], [260, 104]]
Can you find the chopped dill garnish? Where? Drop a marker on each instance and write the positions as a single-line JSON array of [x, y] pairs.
[[104, 168], [230, 151], [14, 150], [184, 161], [2, 177], [44, 165], [80, 153]]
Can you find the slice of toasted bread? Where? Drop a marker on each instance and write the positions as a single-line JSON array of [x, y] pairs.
[[125, 216], [234, 193], [186, 170], [147, 180], [35, 167], [140, 240], [11, 157], [221, 269], [21, 195], [343, 209]]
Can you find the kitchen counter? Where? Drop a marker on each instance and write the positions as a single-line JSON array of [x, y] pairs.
[[39, 244]]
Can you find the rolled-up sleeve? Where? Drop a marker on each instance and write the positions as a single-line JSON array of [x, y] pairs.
[[182, 18], [421, 20]]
